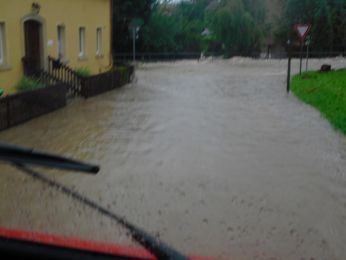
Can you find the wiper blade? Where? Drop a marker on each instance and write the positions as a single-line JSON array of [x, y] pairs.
[[149, 242], [26, 156], [21, 157]]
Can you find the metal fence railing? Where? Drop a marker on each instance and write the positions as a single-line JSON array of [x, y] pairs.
[[172, 56], [318, 54], [65, 74], [100, 83], [21, 107], [162, 56]]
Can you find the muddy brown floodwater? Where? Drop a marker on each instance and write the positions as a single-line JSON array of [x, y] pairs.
[[213, 157]]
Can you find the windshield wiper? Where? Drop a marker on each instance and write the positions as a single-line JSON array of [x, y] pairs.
[[27, 156], [21, 157]]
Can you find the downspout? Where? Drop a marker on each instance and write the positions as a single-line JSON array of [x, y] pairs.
[[110, 65], [111, 62], [111, 32]]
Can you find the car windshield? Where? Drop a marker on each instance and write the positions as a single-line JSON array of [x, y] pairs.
[[218, 125]]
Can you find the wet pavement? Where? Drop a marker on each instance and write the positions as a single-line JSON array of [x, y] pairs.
[[213, 157]]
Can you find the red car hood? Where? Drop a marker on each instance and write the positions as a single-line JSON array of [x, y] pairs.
[[78, 244]]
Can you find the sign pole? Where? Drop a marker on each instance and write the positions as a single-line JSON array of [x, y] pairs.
[[307, 57], [302, 30], [289, 67], [134, 27], [301, 57]]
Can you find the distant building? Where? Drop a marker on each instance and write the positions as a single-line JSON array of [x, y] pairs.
[[77, 32]]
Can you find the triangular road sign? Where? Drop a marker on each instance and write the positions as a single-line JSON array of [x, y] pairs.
[[302, 30]]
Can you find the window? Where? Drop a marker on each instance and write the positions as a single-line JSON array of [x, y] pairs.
[[2, 43], [81, 41], [99, 41], [61, 42]]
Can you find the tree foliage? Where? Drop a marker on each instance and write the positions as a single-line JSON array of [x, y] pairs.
[[327, 17], [158, 35], [235, 26], [238, 27], [174, 28], [123, 12]]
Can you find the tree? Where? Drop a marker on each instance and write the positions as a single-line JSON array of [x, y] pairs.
[[328, 18], [338, 16], [159, 34], [171, 27], [124, 12], [174, 27], [236, 28], [190, 22]]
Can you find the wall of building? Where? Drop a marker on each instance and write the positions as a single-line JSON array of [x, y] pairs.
[[72, 14]]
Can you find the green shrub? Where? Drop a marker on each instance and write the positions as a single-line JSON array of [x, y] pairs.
[[83, 72], [27, 83], [123, 73]]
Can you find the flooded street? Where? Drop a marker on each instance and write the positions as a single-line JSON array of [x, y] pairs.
[[213, 157]]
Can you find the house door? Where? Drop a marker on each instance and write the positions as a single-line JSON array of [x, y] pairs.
[[33, 47]]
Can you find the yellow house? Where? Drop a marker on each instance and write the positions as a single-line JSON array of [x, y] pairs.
[[77, 32]]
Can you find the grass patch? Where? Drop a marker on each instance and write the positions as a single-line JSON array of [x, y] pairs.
[[83, 72], [326, 92], [27, 83]]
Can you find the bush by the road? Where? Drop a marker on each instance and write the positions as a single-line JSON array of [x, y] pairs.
[[83, 72], [27, 83], [326, 92]]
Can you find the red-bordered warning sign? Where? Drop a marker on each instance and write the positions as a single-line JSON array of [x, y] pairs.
[[302, 30]]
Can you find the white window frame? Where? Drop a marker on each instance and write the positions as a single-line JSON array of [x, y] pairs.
[[2, 44], [82, 33], [99, 41], [61, 42]]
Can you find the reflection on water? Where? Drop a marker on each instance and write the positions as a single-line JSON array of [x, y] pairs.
[[214, 158]]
